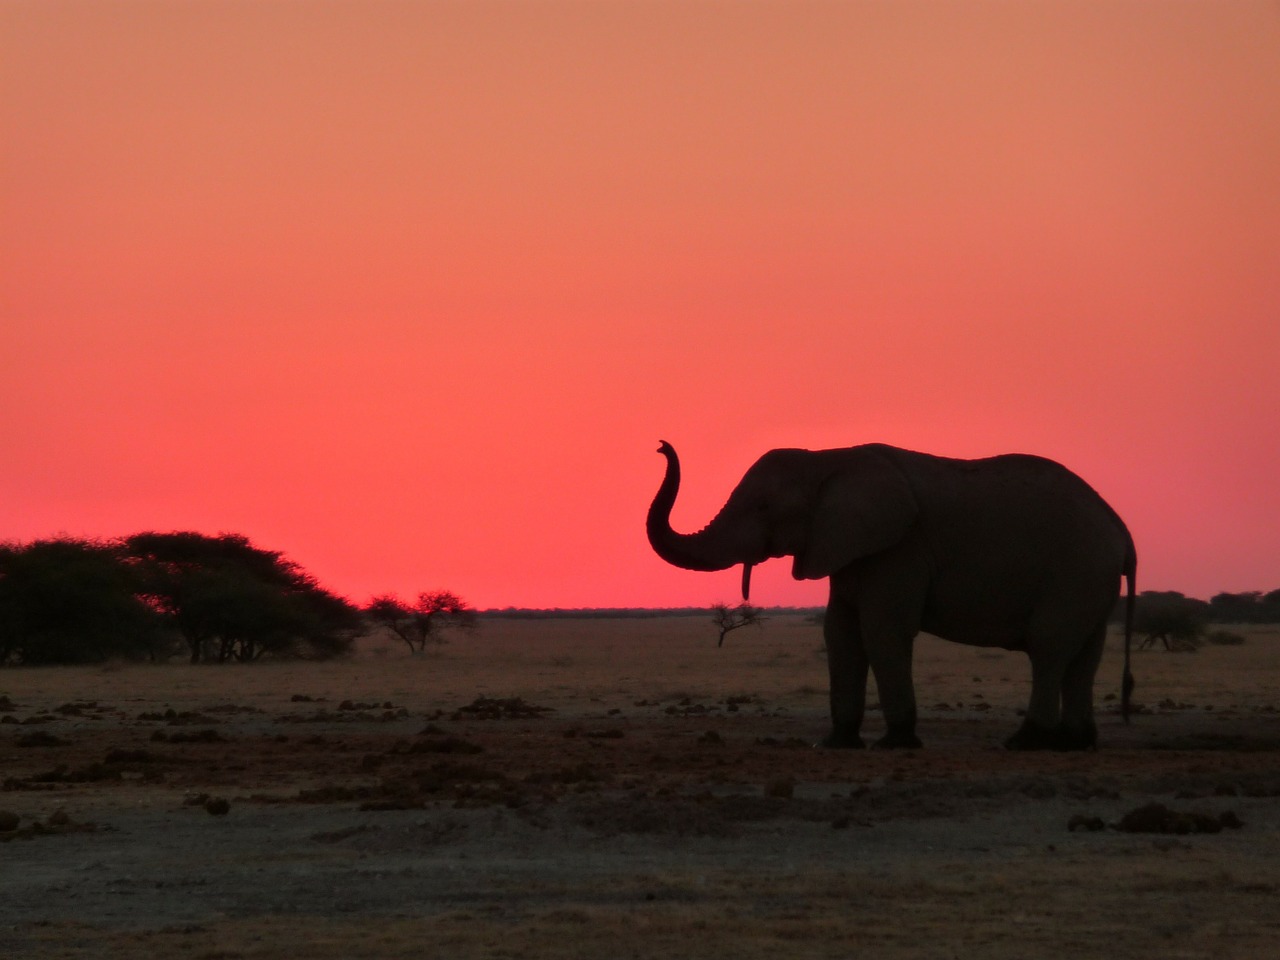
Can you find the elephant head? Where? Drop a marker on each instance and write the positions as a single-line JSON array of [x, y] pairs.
[[824, 508]]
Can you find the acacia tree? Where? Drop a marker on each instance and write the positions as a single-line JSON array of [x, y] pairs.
[[727, 619], [1170, 618], [425, 620], [73, 601], [230, 600]]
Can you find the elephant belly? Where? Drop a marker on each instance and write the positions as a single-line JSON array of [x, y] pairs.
[[978, 620], [977, 634]]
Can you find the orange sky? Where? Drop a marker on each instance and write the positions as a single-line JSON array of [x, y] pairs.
[[412, 290]]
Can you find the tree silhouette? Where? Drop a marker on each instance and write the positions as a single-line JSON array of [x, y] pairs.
[[727, 619], [73, 601], [425, 620], [1167, 616], [230, 600]]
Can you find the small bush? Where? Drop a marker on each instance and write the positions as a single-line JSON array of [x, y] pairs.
[[1171, 619]]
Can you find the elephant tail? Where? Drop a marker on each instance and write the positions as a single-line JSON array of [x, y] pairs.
[[1130, 576]]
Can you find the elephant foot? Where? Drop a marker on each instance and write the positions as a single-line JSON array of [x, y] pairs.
[[898, 737], [1033, 736], [838, 740], [1078, 736]]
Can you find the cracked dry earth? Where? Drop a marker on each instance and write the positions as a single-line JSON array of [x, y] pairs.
[[595, 788]]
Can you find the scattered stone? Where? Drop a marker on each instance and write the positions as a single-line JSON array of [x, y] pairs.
[[335, 836], [231, 708], [1157, 818], [76, 708], [446, 745], [57, 823], [782, 787], [174, 717], [499, 708], [685, 707], [791, 743], [9, 821], [1084, 822], [133, 756], [712, 738], [330, 794], [217, 806], [1229, 820], [409, 802], [92, 773], [1040, 790], [40, 739], [196, 736]]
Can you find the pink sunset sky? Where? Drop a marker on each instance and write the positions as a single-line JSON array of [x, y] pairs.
[[411, 291]]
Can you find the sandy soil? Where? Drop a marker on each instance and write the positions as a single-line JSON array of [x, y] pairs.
[[626, 789]]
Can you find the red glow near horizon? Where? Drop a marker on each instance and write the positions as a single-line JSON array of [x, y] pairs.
[[411, 292]]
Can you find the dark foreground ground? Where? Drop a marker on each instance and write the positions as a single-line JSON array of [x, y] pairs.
[[530, 796]]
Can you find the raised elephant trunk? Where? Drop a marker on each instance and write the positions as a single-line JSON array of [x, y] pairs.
[[704, 550]]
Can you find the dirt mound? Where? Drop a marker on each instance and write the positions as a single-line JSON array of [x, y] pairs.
[[500, 708], [1157, 818]]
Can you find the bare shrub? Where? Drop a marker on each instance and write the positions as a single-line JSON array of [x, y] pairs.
[[728, 619]]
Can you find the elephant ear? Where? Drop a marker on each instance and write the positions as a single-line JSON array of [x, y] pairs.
[[865, 507]]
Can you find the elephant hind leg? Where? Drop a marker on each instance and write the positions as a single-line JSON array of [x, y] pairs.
[[1039, 730], [1060, 716], [1078, 730]]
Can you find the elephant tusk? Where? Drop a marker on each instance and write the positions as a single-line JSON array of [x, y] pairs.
[[746, 581]]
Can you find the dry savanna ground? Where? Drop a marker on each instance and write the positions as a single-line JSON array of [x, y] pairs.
[[596, 788]]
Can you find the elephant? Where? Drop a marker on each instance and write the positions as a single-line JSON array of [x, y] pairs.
[[1012, 551]]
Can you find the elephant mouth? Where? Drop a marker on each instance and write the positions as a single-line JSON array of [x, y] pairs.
[[797, 569], [748, 564]]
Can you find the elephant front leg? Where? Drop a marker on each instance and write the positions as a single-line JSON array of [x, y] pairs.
[[891, 662], [847, 670]]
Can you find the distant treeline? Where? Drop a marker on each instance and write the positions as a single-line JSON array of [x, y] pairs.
[[1253, 606], [624, 613], [154, 596]]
